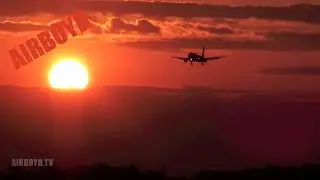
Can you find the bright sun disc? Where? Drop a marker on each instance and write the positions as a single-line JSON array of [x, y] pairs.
[[68, 74]]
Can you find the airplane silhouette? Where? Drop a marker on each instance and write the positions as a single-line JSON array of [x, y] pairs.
[[193, 57]]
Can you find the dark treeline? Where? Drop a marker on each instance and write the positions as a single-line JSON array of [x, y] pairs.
[[104, 171]]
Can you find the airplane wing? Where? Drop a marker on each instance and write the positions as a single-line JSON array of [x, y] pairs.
[[213, 58], [182, 58]]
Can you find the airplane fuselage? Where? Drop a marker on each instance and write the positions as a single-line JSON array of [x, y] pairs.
[[195, 57]]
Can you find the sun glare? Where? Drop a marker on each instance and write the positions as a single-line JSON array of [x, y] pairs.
[[68, 74]]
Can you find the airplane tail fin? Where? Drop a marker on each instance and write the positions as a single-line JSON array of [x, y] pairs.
[[203, 50]]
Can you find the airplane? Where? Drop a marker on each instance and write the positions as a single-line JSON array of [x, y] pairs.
[[193, 57]]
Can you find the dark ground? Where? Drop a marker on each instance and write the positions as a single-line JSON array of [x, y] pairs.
[[186, 130]]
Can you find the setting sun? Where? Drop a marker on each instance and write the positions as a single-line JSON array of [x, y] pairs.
[[68, 74]]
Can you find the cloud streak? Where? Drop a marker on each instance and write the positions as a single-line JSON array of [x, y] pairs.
[[306, 13], [222, 29], [299, 70], [146, 28], [175, 34], [11, 26], [118, 25], [295, 42]]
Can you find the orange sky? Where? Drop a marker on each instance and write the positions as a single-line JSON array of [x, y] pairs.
[[121, 49], [273, 49]]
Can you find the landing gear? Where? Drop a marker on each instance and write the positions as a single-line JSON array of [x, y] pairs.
[[191, 63], [202, 63]]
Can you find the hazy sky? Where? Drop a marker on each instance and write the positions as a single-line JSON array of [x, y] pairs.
[[268, 49], [253, 2], [131, 43]]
